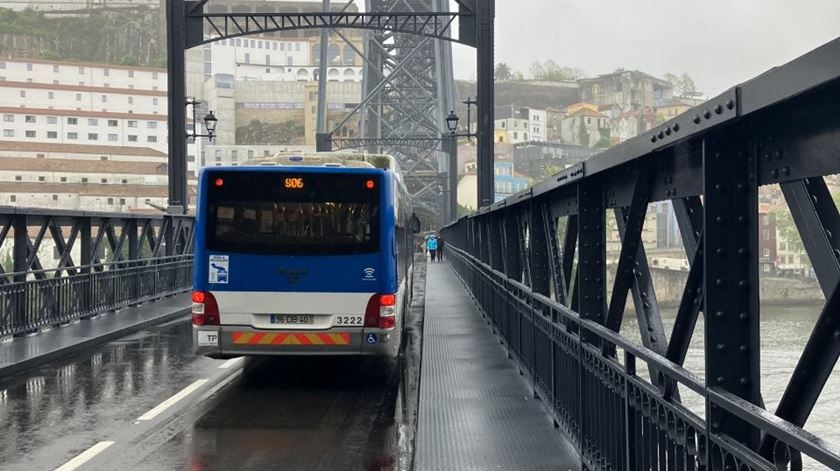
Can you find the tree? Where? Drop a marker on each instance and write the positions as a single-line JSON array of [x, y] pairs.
[[683, 84], [604, 141], [583, 133], [537, 70], [503, 72], [550, 71], [787, 231]]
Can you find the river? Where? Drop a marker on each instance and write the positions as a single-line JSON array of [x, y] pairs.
[[784, 333]]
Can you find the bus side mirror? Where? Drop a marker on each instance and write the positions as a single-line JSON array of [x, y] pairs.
[[415, 224]]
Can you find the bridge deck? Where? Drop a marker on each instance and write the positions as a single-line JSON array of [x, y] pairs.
[[476, 411]]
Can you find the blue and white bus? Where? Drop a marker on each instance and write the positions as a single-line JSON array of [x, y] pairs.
[[302, 255]]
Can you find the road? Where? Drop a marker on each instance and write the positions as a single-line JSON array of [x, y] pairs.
[[144, 402]]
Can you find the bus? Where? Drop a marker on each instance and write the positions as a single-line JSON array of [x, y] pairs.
[[302, 255]]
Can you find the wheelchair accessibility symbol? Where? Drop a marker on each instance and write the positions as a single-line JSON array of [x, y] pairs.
[[372, 339]]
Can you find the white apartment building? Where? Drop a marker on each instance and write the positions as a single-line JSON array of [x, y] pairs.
[[88, 197], [280, 59], [514, 130], [219, 155], [82, 97], [537, 121], [61, 126], [82, 171], [42, 150], [82, 74]]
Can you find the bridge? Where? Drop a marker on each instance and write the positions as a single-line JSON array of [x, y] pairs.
[[523, 351]]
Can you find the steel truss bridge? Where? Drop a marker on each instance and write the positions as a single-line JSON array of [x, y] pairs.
[[536, 264]]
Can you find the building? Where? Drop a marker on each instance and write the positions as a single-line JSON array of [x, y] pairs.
[[632, 123], [265, 58], [586, 128], [676, 107], [553, 126], [506, 183], [539, 160], [767, 240], [629, 89], [511, 130]]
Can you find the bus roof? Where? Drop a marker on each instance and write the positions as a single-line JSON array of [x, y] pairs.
[[328, 159]]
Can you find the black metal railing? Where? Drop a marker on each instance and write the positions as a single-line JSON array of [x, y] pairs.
[[124, 260], [536, 264]]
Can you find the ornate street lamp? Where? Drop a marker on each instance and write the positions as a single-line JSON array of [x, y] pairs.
[[210, 122]]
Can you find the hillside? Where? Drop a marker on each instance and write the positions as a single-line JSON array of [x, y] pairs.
[[522, 94], [135, 37]]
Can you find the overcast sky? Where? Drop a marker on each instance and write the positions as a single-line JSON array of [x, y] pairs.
[[717, 42]]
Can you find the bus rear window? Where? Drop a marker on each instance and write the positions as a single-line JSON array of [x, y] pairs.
[[292, 214]]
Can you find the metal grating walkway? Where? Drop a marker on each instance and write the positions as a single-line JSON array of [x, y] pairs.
[[476, 411]]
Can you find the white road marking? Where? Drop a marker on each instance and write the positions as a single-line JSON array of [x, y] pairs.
[[84, 456], [229, 363], [172, 400]]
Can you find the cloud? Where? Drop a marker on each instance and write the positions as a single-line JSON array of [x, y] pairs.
[[718, 42]]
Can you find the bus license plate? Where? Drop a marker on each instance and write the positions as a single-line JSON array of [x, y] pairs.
[[293, 319]]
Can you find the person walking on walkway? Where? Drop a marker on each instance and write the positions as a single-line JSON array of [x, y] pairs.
[[432, 245], [440, 244]]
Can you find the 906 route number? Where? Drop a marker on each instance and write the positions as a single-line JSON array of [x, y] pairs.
[[348, 320]]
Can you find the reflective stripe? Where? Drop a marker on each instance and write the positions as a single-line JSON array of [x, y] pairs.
[[277, 338]]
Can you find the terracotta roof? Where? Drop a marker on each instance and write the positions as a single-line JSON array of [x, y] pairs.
[[78, 149], [80, 88], [85, 64], [588, 112], [82, 166], [85, 114], [86, 189]]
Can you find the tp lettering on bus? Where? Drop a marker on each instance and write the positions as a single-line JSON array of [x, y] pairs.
[[219, 269]]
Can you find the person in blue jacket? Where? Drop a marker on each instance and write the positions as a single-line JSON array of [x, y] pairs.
[[432, 246]]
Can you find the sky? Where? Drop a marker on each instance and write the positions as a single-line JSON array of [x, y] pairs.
[[719, 43]]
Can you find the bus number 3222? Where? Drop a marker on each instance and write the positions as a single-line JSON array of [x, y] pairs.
[[348, 320]]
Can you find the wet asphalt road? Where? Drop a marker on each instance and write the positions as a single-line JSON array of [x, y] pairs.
[[261, 414]]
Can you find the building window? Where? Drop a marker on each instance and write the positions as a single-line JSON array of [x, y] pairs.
[[18, 178], [81, 70], [247, 58], [8, 118], [104, 98], [52, 135], [50, 95], [112, 123], [73, 121], [132, 124], [122, 201], [131, 100], [765, 234], [78, 97], [154, 101], [84, 180], [92, 136], [113, 138], [151, 138], [23, 93], [55, 197], [63, 179], [104, 180], [8, 133], [42, 179], [130, 74], [151, 125], [132, 138], [106, 72], [154, 75], [93, 122], [30, 133], [124, 181], [72, 136], [12, 198]]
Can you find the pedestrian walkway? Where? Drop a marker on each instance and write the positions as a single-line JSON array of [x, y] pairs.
[[23, 353], [476, 411]]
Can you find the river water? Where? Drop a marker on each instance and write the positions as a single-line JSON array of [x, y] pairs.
[[784, 332]]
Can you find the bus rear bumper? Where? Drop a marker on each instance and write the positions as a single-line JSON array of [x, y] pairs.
[[232, 341]]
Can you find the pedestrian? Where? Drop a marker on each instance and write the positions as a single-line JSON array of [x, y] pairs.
[[440, 243], [432, 245]]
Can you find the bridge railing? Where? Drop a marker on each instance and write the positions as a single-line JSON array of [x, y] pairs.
[[123, 260], [536, 265]]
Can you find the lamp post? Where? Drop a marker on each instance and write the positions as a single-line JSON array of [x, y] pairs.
[[210, 121], [452, 142]]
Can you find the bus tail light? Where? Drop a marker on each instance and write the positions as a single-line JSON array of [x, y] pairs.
[[381, 311], [205, 310]]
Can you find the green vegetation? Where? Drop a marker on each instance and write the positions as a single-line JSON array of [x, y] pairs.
[[550, 71], [259, 133], [683, 85], [583, 134], [604, 141], [115, 37]]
